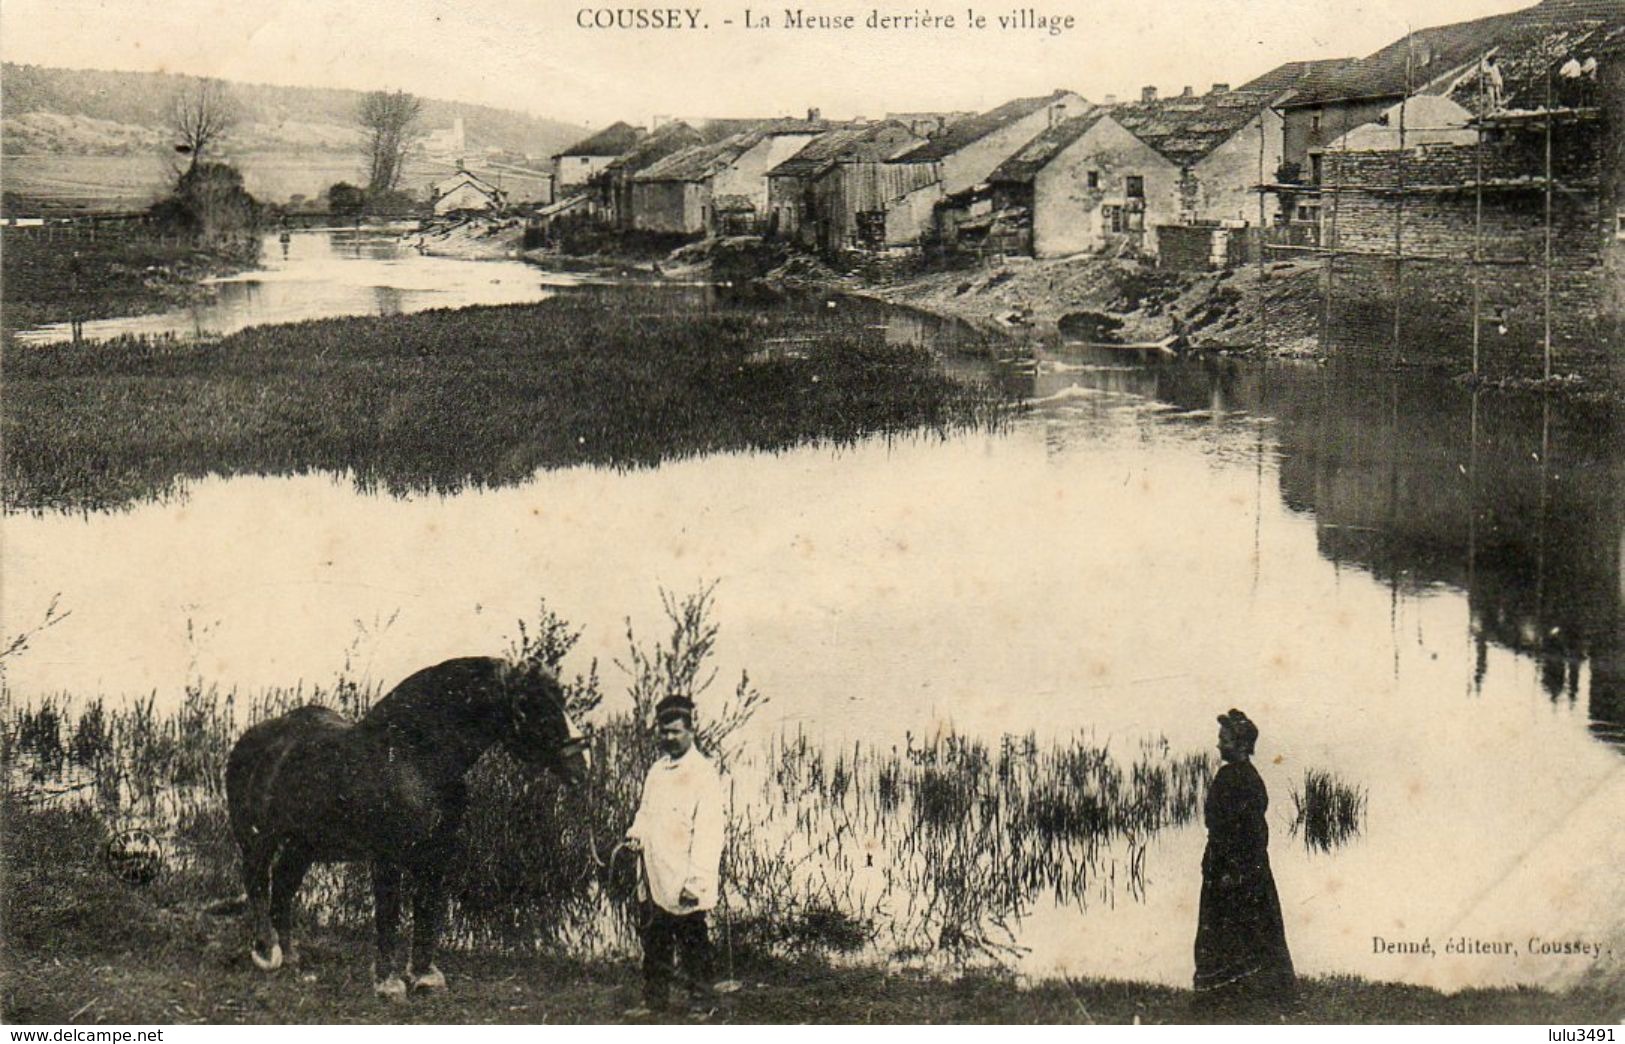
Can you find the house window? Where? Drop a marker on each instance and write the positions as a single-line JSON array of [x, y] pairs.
[[1134, 186], [1314, 123], [1315, 163], [585, 160], [1093, 179], [1121, 219], [1619, 225], [872, 227]]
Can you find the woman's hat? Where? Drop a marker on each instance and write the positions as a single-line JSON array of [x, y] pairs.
[[1240, 724]]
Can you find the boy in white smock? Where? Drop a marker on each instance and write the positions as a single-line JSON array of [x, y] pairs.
[[679, 831]]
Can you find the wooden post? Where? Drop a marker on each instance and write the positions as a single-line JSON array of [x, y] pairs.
[[1399, 209], [1547, 362], [1263, 272], [1478, 219]]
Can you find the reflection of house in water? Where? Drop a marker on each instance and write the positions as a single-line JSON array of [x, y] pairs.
[[1520, 505]]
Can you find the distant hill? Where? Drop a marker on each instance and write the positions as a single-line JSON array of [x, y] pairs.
[[91, 112]]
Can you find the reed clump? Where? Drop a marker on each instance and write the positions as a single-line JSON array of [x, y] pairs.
[[1327, 811]]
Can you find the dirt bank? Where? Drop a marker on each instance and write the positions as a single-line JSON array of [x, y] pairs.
[[472, 239], [1110, 300]]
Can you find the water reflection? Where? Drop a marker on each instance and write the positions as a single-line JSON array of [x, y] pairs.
[[321, 274], [1418, 590], [1517, 501]]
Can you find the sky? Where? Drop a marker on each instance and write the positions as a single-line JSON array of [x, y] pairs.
[[534, 56]]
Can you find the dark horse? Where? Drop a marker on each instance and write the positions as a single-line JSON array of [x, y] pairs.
[[313, 787]]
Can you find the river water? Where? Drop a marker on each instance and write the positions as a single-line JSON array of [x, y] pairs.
[[313, 275], [1408, 585]]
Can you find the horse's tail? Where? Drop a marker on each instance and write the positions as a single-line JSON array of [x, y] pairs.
[[227, 907]]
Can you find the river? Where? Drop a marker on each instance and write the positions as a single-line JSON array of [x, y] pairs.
[[1410, 585], [317, 274]]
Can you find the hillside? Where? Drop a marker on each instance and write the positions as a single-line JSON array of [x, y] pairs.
[[93, 112]]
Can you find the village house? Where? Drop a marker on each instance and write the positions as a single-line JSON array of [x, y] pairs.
[[465, 190], [1334, 101], [1509, 221], [1110, 178], [720, 188], [959, 158], [575, 166], [612, 187], [815, 196]]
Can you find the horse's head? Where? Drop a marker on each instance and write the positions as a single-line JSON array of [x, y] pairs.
[[540, 730]]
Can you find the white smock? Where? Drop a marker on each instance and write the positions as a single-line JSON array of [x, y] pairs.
[[680, 826]]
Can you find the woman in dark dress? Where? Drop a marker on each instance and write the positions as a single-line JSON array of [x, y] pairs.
[[1241, 947]]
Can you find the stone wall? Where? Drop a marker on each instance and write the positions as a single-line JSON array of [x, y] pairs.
[[1426, 196]]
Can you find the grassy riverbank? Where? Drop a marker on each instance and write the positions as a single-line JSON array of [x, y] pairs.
[[118, 274], [446, 399], [82, 947]]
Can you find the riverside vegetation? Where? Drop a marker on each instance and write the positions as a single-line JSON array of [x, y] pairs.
[[443, 400], [917, 855]]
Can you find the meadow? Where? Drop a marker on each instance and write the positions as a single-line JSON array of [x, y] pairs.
[[443, 400]]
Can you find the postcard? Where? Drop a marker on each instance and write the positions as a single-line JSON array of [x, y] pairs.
[[520, 511]]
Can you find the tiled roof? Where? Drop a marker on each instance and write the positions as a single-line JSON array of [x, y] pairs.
[[1286, 77], [1185, 130], [698, 162], [968, 131], [1526, 61], [613, 140], [871, 142], [666, 139], [1036, 154], [1428, 55], [459, 178]]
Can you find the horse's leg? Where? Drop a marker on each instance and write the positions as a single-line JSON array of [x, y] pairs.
[[286, 876], [264, 949], [386, 897], [428, 911]]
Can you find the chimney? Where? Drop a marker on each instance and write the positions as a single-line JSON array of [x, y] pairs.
[[813, 114], [1148, 95], [1220, 88], [1187, 93], [1111, 99]]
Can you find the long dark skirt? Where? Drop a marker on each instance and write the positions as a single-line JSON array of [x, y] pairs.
[[1240, 939]]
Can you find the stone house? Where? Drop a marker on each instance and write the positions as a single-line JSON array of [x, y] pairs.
[[1445, 227], [1335, 100], [575, 166], [961, 157], [720, 188], [465, 190], [1106, 180], [814, 197], [611, 187]]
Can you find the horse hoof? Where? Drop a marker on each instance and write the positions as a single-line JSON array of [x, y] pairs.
[[433, 979], [271, 963], [393, 988]]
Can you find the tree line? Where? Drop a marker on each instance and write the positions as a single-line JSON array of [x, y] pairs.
[[208, 198]]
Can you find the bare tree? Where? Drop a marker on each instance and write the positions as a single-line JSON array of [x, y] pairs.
[[391, 123], [201, 113]]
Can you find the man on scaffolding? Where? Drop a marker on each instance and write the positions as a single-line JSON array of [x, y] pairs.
[[678, 831]]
